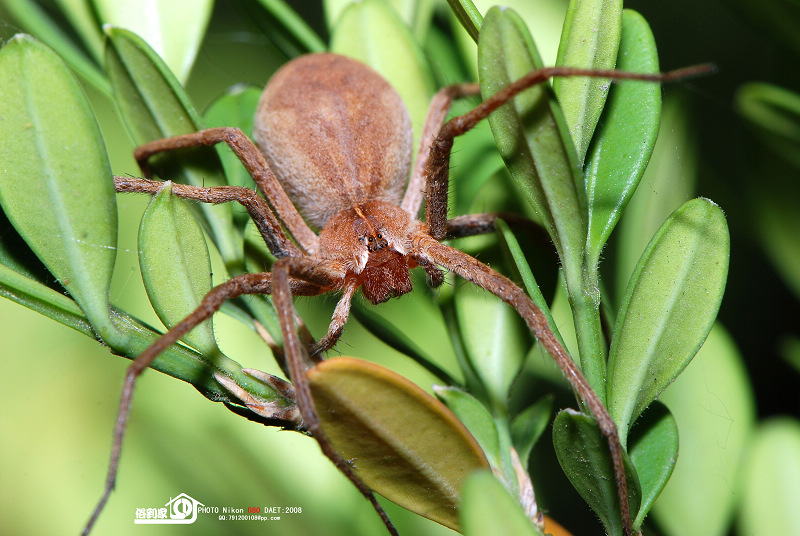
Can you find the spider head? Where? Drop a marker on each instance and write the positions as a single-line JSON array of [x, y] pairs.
[[372, 240]]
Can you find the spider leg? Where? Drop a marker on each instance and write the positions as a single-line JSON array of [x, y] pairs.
[[244, 148], [310, 270], [434, 119], [259, 283], [475, 224], [480, 274], [266, 222], [437, 166], [340, 315]]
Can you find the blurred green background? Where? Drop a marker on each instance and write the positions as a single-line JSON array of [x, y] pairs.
[[60, 390]]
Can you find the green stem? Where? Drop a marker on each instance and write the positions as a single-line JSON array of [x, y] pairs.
[[584, 296]]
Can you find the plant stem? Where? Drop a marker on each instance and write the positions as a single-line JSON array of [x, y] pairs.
[[584, 296]]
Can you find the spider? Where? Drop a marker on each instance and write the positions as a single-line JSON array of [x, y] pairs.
[[332, 151]]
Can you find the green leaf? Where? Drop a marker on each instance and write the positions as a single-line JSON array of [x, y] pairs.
[[526, 274], [670, 305], [55, 182], [477, 419], [583, 454], [403, 443], [372, 32], [771, 482], [712, 401], [34, 19], [653, 452], [590, 39], [290, 21], [495, 339], [153, 106], [488, 508], [775, 112], [83, 19], [664, 188], [42, 299], [236, 108], [777, 219], [528, 426], [626, 138], [387, 332], [416, 14], [176, 268], [531, 134], [468, 15], [155, 22]]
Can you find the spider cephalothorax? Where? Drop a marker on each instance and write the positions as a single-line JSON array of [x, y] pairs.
[[371, 243]]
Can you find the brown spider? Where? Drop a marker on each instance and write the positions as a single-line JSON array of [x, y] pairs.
[[337, 137]]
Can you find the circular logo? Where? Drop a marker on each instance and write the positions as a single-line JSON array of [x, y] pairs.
[[182, 508]]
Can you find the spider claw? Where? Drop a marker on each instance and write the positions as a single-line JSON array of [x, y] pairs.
[[269, 409]]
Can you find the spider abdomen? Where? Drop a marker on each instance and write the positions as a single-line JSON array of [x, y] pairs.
[[335, 133]]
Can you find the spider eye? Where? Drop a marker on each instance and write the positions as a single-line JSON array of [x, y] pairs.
[[379, 236], [370, 239]]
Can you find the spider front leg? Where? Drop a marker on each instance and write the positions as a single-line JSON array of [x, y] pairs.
[[298, 361], [266, 222], [437, 178], [235, 287], [256, 164]]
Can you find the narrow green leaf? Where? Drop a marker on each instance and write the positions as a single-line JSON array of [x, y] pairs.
[[290, 21], [488, 508], [176, 268], [590, 39], [150, 98], [373, 33], [477, 419], [83, 19], [713, 405], [771, 483], [775, 112], [670, 305], [528, 426], [34, 19], [403, 443], [153, 106], [653, 451], [55, 182], [531, 134], [526, 274], [777, 219], [468, 15], [625, 140], [154, 21], [583, 454], [495, 340], [394, 337], [42, 299]]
